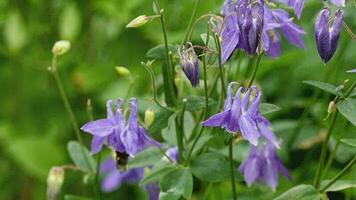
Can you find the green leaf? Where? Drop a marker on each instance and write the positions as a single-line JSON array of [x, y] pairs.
[[168, 196], [267, 108], [76, 154], [300, 192], [70, 22], [339, 185], [195, 103], [347, 108], [156, 174], [349, 141], [211, 167], [332, 89], [15, 32], [211, 44], [74, 197], [35, 156], [160, 122], [179, 181], [159, 52], [146, 157]]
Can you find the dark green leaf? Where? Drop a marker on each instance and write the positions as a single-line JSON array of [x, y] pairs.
[[179, 181], [84, 161], [267, 108], [146, 157], [332, 89], [159, 52], [350, 142], [339, 185], [157, 174], [168, 196], [160, 122], [211, 167], [74, 197], [35, 156], [300, 192], [195, 103], [347, 108]]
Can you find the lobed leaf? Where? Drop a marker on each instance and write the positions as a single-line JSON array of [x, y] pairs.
[[76, 154]]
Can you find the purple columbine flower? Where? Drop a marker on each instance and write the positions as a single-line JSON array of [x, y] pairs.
[[190, 63], [241, 114], [108, 129], [134, 136], [326, 34], [250, 21], [263, 163]]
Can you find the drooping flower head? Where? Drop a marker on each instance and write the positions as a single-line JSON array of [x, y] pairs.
[[263, 163], [327, 34], [241, 114], [190, 63]]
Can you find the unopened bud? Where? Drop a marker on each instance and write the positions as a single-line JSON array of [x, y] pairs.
[[190, 64], [149, 117], [122, 71], [332, 107], [54, 182], [178, 81], [61, 47], [138, 22]]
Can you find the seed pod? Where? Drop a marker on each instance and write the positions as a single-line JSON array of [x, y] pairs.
[[54, 182], [61, 47], [138, 22], [332, 107], [122, 71], [149, 117]]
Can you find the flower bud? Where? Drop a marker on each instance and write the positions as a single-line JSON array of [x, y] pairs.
[[332, 107], [122, 71], [61, 47], [177, 81], [190, 64], [54, 182], [138, 22], [149, 117], [327, 34]]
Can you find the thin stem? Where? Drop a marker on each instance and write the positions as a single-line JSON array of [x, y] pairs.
[[73, 120], [217, 42], [255, 70], [190, 25], [232, 168], [179, 122], [165, 155], [339, 175], [318, 174], [331, 158], [349, 31]]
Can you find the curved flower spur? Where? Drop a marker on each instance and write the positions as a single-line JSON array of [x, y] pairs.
[[241, 114]]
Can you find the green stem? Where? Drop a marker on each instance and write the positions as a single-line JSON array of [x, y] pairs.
[[339, 175], [179, 122], [68, 107], [232, 168], [190, 25], [331, 159], [318, 174], [222, 76], [255, 70]]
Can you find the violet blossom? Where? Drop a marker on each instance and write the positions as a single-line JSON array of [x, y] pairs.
[[190, 64], [263, 163], [241, 114], [327, 34]]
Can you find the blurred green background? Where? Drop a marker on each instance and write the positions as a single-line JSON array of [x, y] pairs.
[[34, 126]]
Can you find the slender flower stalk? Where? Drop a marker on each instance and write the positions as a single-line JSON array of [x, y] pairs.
[[255, 70], [190, 25], [232, 168]]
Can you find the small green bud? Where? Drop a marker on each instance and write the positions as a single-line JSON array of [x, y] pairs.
[[332, 107], [61, 47], [54, 182], [138, 22], [122, 71], [178, 81], [149, 117]]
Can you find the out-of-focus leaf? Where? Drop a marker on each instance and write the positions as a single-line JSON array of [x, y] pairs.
[[168, 196], [15, 32], [179, 181], [267, 108], [350, 142], [160, 122], [339, 185], [159, 52], [195, 103], [75, 197], [211, 167], [70, 22], [35, 156], [211, 44], [347, 108], [300, 192], [146, 157], [87, 162], [332, 89], [157, 174]]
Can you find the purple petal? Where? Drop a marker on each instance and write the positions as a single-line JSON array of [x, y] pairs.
[[97, 144], [153, 190], [251, 170], [248, 130], [133, 175], [112, 181], [270, 174], [216, 120], [230, 37], [130, 141], [101, 127], [298, 6], [340, 3], [108, 165]]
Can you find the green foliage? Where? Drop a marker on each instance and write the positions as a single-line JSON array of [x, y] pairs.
[[179, 181], [347, 108], [339, 185], [145, 158], [85, 162], [300, 192]]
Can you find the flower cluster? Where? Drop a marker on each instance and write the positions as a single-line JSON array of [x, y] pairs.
[[241, 115], [129, 137]]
